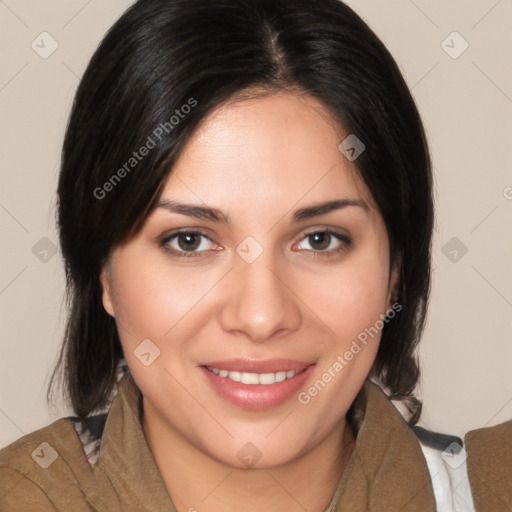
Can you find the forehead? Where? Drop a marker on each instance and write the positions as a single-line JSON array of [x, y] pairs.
[[275, 150]]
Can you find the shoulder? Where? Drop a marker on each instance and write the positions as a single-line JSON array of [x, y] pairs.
[[490, 466], [25, 477], [31, 449], [19, 492], [53, 468]]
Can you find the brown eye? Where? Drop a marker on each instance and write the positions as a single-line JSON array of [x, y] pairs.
[[187, 243], [325, 242], [320, 241]]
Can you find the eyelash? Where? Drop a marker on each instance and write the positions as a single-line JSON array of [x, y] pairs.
[[345, 243]]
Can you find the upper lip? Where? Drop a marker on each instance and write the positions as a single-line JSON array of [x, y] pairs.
[[258, 366]]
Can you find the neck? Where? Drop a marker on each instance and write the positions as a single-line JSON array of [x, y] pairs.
[[199, 483]]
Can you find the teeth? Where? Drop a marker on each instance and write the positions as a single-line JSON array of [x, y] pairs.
[[280, 376], [236, 376], [249, 378], [267, 378], [254, 378]]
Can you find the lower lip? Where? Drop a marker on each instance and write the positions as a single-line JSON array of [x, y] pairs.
[[256, 396]]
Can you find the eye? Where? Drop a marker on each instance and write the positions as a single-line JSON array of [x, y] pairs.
[[187, 243], [325, 242]]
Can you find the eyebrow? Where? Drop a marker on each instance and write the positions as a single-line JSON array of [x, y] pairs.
[[322, 208], [216, 215]]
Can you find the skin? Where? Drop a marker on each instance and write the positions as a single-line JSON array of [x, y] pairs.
[[258, 160]]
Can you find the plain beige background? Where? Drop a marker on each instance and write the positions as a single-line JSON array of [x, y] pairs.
[[465, 99]]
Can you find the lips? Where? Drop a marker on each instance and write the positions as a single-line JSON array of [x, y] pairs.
[[251, 384]]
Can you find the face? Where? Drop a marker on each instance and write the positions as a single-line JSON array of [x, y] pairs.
[[242, 315]]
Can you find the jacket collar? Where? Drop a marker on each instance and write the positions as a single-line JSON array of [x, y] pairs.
[[125, 457], [386, 471]]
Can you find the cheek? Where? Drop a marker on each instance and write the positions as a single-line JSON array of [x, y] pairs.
[[351, 301], [352, 297], [156, 300], [139, 310], [149, 299]]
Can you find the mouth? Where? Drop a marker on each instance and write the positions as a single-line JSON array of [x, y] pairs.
[[265, 379], [256, 384]]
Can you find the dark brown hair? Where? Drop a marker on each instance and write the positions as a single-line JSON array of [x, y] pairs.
[[160, 55]]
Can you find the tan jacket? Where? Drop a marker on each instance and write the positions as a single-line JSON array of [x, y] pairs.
[[387, 472]]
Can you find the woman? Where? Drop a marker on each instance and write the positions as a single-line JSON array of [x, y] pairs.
[[245, 214]]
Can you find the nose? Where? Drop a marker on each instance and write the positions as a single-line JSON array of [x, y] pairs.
[[260, 304]]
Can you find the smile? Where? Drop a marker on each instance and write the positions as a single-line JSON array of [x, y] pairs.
[[265, 379], [256, 384]]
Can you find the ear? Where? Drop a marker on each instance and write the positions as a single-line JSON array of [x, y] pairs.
[[394, 281], [105, 280]]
